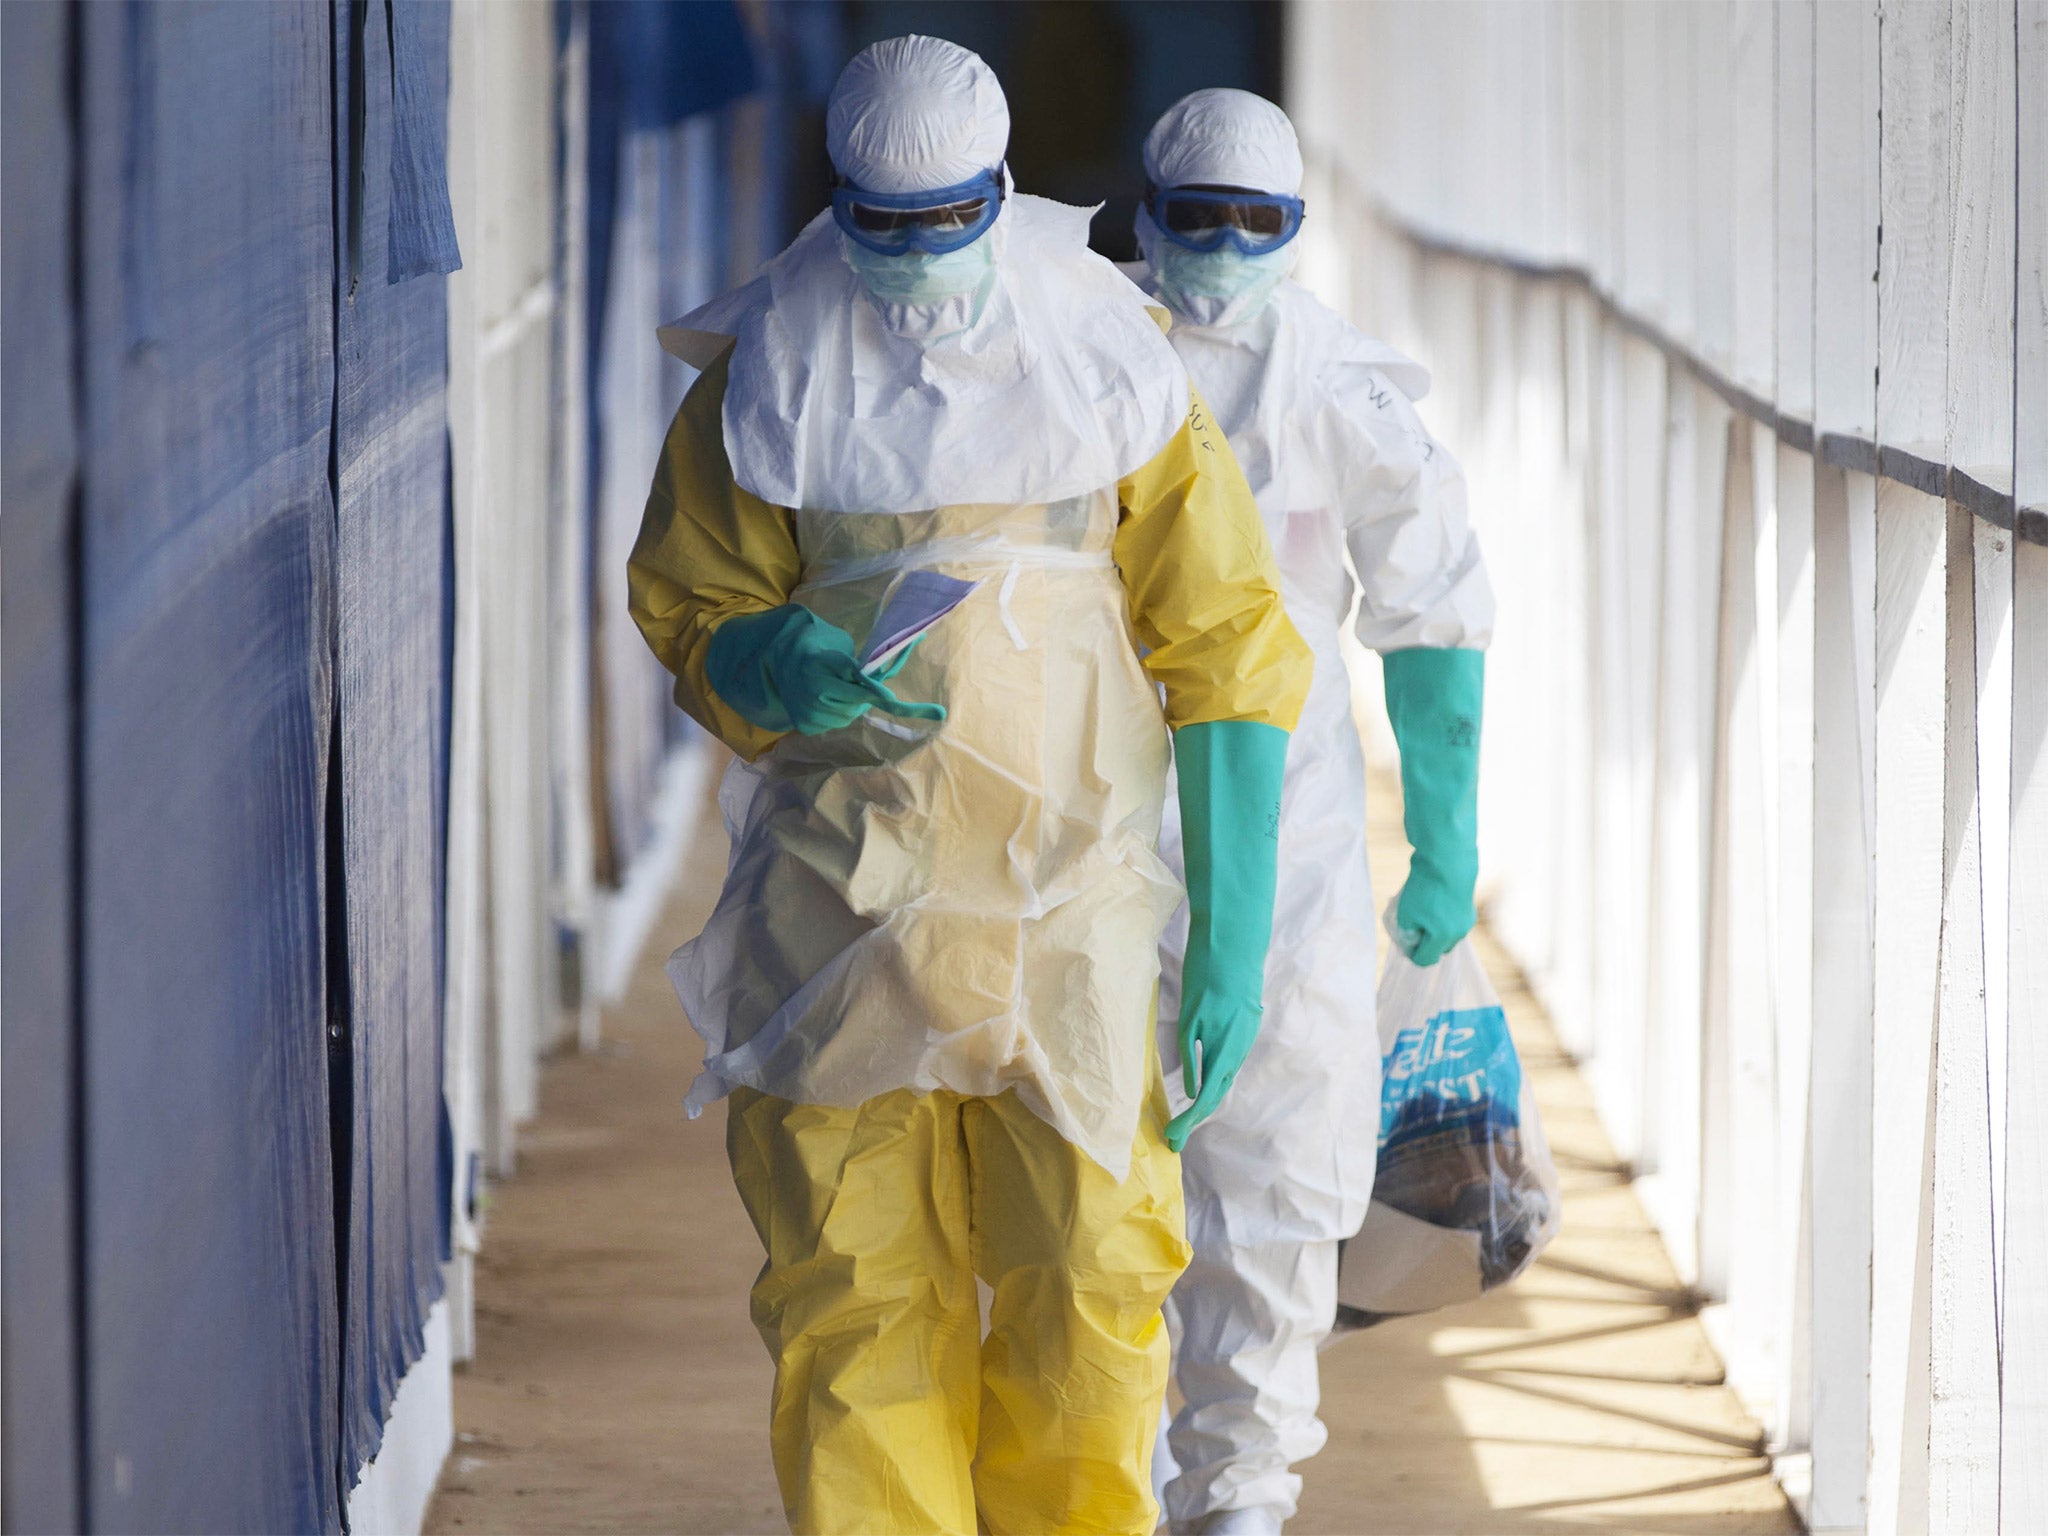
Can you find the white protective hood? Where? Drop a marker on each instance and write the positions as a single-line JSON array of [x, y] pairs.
[[1065, 384], [1227, 138]]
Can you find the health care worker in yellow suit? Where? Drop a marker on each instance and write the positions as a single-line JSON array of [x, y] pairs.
[[929, 979]]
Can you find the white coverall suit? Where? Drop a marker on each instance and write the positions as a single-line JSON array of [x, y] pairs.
[[1321, 419]]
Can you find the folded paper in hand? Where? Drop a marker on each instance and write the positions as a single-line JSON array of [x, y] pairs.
[[920, 600]]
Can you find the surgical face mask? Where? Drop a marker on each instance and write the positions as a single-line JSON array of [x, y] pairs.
[[1213, 288], [1222, 287], [922, 295]]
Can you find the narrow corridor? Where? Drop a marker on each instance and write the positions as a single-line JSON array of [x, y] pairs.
[[618, 1385], [344, 795]]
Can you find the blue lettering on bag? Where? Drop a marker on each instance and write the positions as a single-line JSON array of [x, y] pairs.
[[1458, 1067]]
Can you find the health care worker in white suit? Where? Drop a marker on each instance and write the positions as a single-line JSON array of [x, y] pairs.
[[1322, 421], [929, 982]]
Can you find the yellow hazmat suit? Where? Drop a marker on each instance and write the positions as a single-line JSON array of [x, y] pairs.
[[931, 974]]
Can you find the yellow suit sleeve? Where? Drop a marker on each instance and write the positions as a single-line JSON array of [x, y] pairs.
[[1203, 587], [707, 551]]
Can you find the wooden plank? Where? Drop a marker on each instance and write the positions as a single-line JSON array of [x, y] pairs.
[[1791, 365], [1590, 31], [501, 943], [1688, 604], [1581, 44], [572, 728], [1993, 554], [1963, 1429], [1839, 1179], [1846, 52], [1845, 255], [1308, 74], [1981, 235], [2023, 1471], [1913, 270], [1770, 1098], [467, 934], [2030, 371], [1793, 196], [1644, 173], [1911, 655], [1517, 508], [1391, 157], [1525, 811], [1632, 520], [1741, 1139], [1845, 207], [1549, 190], [1700, 59], [1745, 349], [1962, 1446], [1913, 259], [1692, 180], [1569, 988], [1755, 205], [1792, 758]]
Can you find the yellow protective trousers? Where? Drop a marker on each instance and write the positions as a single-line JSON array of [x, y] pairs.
[[892, 1413]]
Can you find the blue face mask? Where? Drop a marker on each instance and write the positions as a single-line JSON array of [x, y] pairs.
[[920, 277], [1219, 287]]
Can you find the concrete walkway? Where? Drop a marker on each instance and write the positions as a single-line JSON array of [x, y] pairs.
[[619, 1386]]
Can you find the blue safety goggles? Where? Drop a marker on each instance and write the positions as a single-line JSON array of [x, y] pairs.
[[1207, 219], [935, 222]]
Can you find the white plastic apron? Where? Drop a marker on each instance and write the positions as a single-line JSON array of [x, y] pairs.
[[974, 905]]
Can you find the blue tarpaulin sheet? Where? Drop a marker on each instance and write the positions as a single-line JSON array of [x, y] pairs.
[[652, 64], [391, 460], [652, 67], [226, 642], [38, 478], [207, 588], [419, 222], [227, 620]]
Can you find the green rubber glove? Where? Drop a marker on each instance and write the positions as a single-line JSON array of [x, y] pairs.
[[1230, 773], [1433, 699], [789, 670]]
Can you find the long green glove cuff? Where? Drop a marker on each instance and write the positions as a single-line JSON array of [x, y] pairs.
[[1433, 699], [1230, 774]]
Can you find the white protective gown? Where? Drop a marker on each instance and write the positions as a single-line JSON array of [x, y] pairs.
[[1322, 421]]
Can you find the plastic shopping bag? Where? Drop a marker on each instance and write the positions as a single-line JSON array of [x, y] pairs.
[[1466, 1194]]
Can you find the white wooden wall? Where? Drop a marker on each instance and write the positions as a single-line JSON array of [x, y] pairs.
[[1765, 806], [502, 312], [668, 229], [537, 941]]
